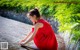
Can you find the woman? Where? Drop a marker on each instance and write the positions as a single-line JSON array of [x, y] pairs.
[[42, 33]]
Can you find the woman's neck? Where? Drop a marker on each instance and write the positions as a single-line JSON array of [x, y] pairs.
[[37, 20]]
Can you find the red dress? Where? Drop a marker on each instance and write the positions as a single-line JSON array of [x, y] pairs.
[[45, 37]]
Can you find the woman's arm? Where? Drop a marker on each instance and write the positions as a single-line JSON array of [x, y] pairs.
[[37, 26], [25, 38]]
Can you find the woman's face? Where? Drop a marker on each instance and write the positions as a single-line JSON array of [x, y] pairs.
[[32, 18]]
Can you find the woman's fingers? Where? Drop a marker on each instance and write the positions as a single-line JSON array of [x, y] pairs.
[[21, 42]]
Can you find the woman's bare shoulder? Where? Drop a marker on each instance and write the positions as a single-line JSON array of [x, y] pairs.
[[39, 25]]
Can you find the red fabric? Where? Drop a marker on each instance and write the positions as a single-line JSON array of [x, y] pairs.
[[45, 38]]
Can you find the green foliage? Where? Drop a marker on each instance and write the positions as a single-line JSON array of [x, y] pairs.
[[67, 13], [69, 16], [76, 32]]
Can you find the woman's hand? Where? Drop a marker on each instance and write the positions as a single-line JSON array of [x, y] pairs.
[[21, 42]]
